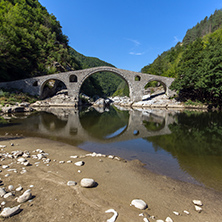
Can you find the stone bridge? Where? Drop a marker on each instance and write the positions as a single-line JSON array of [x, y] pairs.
[[73, 81]]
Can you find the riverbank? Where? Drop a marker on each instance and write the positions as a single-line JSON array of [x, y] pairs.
[[118, 182]]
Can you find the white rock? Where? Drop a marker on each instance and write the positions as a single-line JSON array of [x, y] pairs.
[[79, 163], [198, 202], [87, 183], [27, 195], [138, 203], [71, 183], [61, 162], [159, 221], [40, 156], [2, 192], [145, 219], [10, 187], [69, 161], [21, 159], [8, 195], [198, 209], [110, 156], [26, 163], [7, 175], [176, 213], [8, 212], [2, 146], [19, 188], [5, 166], [186, 212], [74, 157], [168, 219], [115, 215], [3, 203], [23, 171]]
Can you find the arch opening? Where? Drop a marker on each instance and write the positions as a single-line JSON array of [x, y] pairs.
[[73, 78], [52, 87], [103, 84], [154, 88]]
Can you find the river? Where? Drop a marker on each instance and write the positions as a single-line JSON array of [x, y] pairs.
[[185, 145]]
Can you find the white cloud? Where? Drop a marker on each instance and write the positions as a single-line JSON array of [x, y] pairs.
[[136, 53]]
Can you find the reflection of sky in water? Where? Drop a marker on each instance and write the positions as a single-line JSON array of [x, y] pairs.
[[116, 133], [158, 161]]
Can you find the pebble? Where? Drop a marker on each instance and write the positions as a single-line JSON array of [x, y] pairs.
[[138, 203], [198, 209], [10, 187], [7, 175], [27, 195], [5, 166], [21, 159], [2, 146], [61, 161], [110, 156], [168, 219], [186, 212], [79, 163], [2, 192], [19, 188], [87, 183], [8, 212], [8, 195], [69, 161], [197, 202], [115, 215], [74, 157], [3, 203], [176, 213], [145, 219], [159, 221], [71, 183]]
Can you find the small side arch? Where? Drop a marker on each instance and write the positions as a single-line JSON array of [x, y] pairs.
[[73, 78]]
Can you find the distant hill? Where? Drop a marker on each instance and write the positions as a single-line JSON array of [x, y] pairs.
[[195, 62]]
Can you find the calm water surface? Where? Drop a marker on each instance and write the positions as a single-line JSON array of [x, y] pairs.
[[185, 146]]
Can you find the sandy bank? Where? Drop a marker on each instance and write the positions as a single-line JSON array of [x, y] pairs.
[[119, 182]]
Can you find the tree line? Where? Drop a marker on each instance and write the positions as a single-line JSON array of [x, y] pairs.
[[196, 63]]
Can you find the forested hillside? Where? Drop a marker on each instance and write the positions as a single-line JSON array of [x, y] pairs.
[[196, 62], [32, 44]]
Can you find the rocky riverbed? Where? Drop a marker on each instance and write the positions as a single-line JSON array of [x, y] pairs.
[[44, 180]]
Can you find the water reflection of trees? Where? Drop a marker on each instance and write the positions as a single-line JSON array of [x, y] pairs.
[[99, 125], [196, 142]]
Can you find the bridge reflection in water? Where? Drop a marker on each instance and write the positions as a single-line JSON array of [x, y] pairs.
[[83, 126]]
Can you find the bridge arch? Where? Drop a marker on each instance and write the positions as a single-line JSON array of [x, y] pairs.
[[43, 84], [105, 69]]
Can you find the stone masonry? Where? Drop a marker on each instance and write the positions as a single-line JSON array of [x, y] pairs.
[[74, 80]]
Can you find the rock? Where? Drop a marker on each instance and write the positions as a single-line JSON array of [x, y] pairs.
[[2, 146], [176, 213], [186, 212], [10, 187], [159, 221], [2, 192], [198, 209], [5, 166], [69, 161], [27, 195], [115, 215], [197, 202], [21, 160], [74, 157], [71, 183], [79, 163], [145, 219], [138, 203], [8, 212], [168, 219], [8, 195], [87, 183], [61, 162], [17, 153], [19, 188]]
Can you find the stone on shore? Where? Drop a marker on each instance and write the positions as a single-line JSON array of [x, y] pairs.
[[198, 202], [2, 192], [27, 195], [87, 183], [8, 212], [138, 203], [198, 209], [71, 183], [79, 163]]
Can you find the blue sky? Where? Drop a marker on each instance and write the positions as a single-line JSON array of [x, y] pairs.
[[128, 33]]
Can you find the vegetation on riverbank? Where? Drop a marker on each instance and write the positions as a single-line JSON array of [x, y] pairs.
[[196, 62]]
